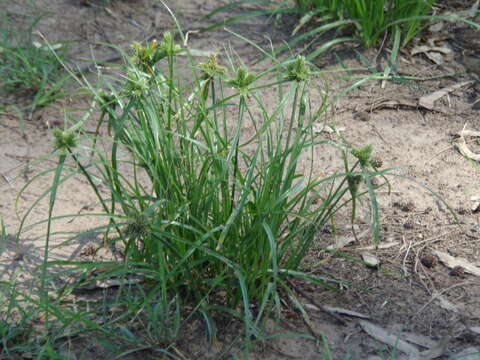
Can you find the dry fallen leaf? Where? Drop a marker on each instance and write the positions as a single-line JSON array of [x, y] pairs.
[[419, 339], [428, 101], [453, 262], [341, 242], [433, 352], [434, 53], [435, 349], [388, 338]]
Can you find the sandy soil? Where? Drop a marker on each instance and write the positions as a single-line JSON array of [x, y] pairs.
[[413, 293]]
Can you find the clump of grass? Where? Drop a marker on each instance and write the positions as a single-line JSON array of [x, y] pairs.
[[372, 18], [375, 18], [369, 20], [212, 219], [212, 215], [29, 67]]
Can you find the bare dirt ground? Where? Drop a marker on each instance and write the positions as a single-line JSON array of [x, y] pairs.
[[413, 291]]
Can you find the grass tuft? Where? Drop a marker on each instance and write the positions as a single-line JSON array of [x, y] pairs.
[[28, 67], [212, 219]]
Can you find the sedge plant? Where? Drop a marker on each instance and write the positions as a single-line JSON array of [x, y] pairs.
[[214, 219]]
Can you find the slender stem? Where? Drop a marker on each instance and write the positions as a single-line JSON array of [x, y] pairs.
[[53, 196], [236, 141]]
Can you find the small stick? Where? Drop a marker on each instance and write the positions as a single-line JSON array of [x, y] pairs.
[[437, 295], [435, 238], [404, 267]]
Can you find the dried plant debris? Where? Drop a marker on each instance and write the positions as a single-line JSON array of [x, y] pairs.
[[461, 144], [435, 53], [347, 312], [343, 241], [370, 260], [475, 207], [386, 337], [405, 342], [418, 339], [447, 305], [385, 245], [428, 101], [453, 262], [328, 129], [429, 261]]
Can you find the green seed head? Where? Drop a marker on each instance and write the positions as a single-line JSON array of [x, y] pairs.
[[168, 45], [363, 154], [63, 140], [212, 68], [107, 101], [298, 70], [139, 56], [137, 84], [145, 57], [138, 226], [243, 80]]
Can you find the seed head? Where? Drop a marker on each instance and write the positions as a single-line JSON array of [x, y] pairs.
[[212, 68], [64, 140], [298, 70]]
